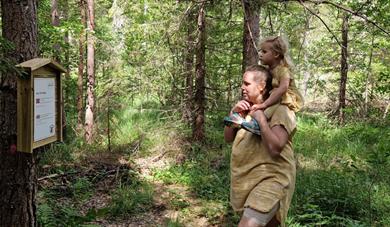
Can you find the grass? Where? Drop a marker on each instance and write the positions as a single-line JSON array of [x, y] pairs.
[[131, 199], [342, 176], [342, 173]]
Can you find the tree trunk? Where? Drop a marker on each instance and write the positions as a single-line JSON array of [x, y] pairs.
[[306, 68], [344, 69], [251, 33], [90, 105], [80, 77], [368, 81], [189, 64], [18, 180], [200, 73], [55, 21], [66, 39]]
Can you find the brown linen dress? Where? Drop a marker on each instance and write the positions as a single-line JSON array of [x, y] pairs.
[[258, 180]]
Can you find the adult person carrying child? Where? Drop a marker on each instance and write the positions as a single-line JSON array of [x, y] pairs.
[[262, 166]]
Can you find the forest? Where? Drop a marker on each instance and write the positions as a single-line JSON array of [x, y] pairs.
[[146, 87]]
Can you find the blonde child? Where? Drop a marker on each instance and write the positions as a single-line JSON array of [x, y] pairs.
[[274, 54]]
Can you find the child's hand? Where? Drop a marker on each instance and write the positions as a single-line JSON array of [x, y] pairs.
[[258, 107]]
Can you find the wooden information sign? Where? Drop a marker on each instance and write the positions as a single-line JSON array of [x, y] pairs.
[[39, 104]]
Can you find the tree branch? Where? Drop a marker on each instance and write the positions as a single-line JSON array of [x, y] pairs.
[[323, 22], [355, 13]]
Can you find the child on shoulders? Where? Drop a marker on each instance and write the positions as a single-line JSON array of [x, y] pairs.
[[274, 54]]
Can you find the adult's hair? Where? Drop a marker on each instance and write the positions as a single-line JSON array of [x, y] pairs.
[[262, 72]]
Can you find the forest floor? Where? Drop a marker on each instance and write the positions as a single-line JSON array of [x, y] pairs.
[[154, 175], [88, 187]]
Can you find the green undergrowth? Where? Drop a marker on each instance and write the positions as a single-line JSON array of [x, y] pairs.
[[81, 174], [66, 204], [342, 174]]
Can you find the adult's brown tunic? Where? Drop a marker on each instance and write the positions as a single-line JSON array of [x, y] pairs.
[[258, 180]]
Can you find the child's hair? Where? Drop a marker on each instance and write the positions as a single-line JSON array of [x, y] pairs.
[[280, 46]]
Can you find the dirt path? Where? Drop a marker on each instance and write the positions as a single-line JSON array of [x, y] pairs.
[[172, 204]]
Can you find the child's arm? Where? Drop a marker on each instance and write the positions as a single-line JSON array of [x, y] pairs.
[[275, 96]]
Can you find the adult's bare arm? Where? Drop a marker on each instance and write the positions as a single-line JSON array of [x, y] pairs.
[[274, 138], [229, 134]]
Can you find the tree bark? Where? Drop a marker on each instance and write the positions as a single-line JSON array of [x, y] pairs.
[[343, 70], [18, 179], [200, 73], [66, 39], [251, 33], [188, 67], [90, 105], [55, 21], [368, 82], [306, 73], [80, 77]]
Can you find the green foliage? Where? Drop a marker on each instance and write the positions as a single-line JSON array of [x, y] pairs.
[[58, 153], [338, 183], [174, 223], [205, 173], [131, 199], [140, 122], [81, 189], [178, 202], [206, 183], [53, 213], [342, 173], [7, 65], [46, 216]]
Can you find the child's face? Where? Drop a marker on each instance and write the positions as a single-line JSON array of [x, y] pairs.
[[267, 55], [252, 88]]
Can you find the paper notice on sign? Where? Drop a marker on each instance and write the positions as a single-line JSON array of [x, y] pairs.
[[44, 108]]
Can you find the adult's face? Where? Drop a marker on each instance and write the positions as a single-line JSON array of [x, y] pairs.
[[252, 88]]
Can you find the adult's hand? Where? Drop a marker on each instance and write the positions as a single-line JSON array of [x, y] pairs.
[[241, 106], [230, 132]]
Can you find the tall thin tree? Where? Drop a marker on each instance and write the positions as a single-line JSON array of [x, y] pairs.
[[90, 105], [343, 69], [368, 82], [80, 74], [55, 21], [18, 179], [251, 32], [200, 76], [188, 66]]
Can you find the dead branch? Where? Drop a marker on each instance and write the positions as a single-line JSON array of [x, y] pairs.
[[55, 175]]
